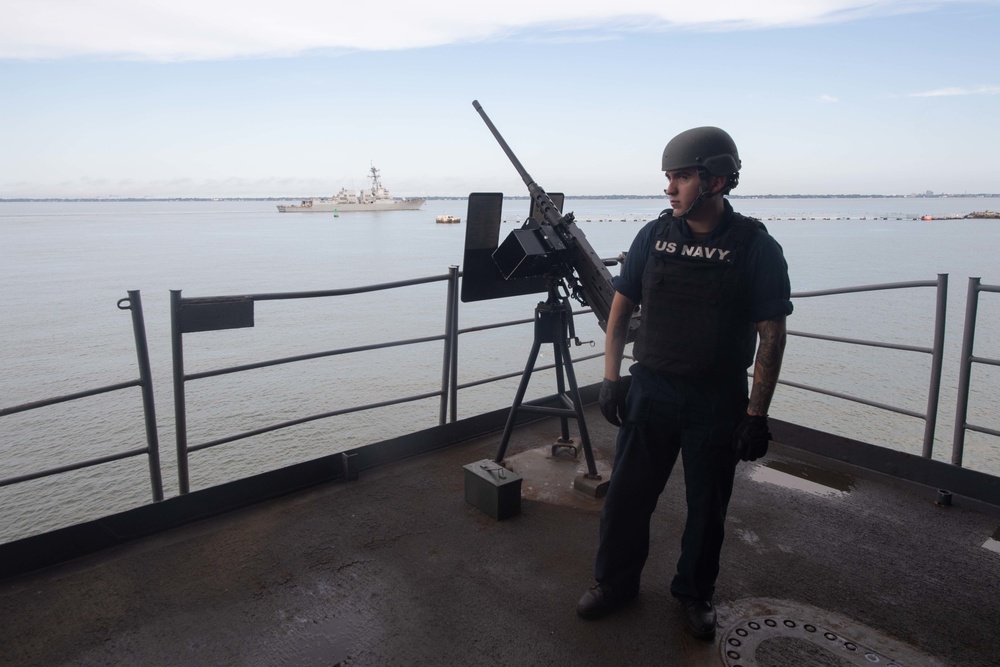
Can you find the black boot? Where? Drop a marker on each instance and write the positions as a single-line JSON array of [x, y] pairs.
[[699, 618], [601, 600]]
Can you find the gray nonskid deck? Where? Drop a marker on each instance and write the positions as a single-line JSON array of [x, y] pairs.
[[396, 569]]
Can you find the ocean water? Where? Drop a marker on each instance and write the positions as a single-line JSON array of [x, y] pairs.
[[65, 265]]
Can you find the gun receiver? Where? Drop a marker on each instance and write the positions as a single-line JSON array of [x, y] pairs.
[[588, 278]]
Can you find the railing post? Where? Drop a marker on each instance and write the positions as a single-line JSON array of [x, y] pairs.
[[965, 371], [449, 342], [180, 417], [453, 399], [937, 359], [134, 302]]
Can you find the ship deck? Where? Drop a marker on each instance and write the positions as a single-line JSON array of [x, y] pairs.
[[396, 568]]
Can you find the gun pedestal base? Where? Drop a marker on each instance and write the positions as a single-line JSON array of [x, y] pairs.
[[565, 449], [558, 480], [595, 488]]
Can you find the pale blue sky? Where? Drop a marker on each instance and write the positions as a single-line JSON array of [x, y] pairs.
[[153, 98]]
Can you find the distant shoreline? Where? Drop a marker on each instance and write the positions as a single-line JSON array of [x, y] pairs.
[[443, 198]]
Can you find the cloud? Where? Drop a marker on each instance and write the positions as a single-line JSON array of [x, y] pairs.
[[955, 90], [172, 30], [828, 99]]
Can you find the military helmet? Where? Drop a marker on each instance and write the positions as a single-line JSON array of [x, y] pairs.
[[709, 148]]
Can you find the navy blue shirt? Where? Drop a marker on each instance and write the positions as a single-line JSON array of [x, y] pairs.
[[763, 265]]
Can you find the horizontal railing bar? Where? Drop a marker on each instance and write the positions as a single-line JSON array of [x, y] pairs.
[[858, 341], [497, 378], [984, 360], [989, 288], [68, 397], [865, 288], [498, 325], [506, 376], [982, 429], [848, 397], [73, 466], [588, 356], [303, 420], [313, 355], [276, 296], [510, 323]]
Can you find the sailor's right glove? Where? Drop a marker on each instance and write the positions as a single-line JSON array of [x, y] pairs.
[[612, 400], [751, 438]]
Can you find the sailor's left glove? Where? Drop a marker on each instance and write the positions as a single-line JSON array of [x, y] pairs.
[[612, 400], [751, 438]]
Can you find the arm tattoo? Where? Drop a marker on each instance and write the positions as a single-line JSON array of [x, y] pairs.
[[617, 335], [767, 365]]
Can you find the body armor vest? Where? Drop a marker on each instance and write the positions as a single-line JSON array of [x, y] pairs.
[[696, 302]]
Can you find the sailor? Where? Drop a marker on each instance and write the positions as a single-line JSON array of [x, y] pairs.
[[710, 282]]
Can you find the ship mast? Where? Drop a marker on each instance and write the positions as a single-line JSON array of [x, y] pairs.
[[376, 183]]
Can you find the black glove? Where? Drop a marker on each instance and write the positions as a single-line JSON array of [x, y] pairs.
[[612, 400], [751, 437]]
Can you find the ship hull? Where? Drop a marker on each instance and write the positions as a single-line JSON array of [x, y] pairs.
[[327, 206]]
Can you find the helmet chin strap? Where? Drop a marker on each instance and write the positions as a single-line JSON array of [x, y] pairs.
[[698, 201]]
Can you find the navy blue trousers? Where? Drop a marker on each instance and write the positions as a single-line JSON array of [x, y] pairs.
[[667, 416]]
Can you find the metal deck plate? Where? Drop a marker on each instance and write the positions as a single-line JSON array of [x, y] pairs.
[[763, 632]]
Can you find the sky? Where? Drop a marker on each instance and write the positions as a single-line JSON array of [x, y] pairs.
[[256, 98]]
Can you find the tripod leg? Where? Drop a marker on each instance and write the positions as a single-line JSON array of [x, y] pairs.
[[561, 388], [518, 398], [578, 409]]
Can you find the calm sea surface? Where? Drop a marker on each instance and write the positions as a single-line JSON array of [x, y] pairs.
[[64, 266]]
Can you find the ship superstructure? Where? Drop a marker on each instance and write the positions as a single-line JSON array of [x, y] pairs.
[[375, 198]]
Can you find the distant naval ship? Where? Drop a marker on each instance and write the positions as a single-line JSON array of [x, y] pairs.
[[376, 198]]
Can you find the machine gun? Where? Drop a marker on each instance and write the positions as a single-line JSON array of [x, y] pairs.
[[548, 248], [553, 247]]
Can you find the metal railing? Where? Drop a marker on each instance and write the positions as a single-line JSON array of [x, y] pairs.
[[225, 312], [965, 371], [231, 312], [145, 382], [190, 315], [936, 351], [215, 313]]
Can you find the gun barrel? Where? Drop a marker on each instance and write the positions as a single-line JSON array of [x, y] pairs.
[[594, 279], [538, 195], [503, 144]]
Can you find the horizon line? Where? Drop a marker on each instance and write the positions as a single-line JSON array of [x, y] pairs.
[[943, 195]]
